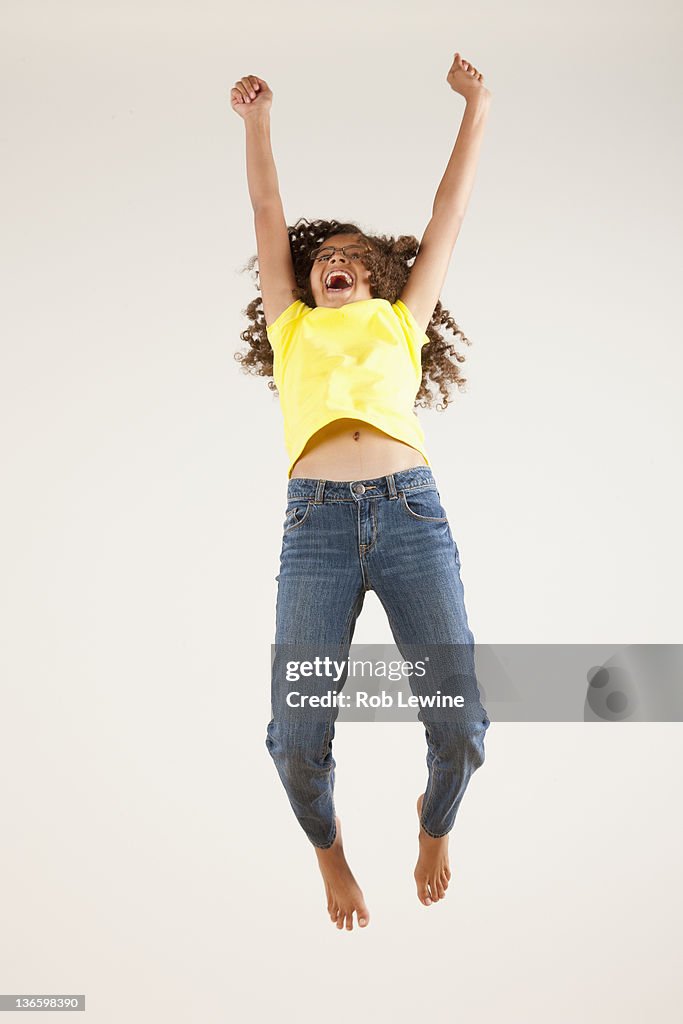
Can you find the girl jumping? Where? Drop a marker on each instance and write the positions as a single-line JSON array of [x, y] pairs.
[[347, 325]]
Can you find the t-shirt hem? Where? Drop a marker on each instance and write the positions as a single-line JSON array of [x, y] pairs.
[[365, 419]]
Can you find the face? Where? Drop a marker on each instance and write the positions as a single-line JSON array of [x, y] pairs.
[[321, 271]]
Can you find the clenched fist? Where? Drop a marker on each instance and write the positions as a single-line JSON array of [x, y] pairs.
[[250, 95], [464, 78]]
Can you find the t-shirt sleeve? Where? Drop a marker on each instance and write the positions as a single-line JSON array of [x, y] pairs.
[[276, 330], [410, 324]]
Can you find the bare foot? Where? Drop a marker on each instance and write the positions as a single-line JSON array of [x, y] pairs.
[[343, 892], [432, 873]]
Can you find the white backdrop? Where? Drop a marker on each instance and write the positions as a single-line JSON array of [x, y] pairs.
[[150, 859]]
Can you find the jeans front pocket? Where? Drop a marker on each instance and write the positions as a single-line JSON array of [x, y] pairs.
[[298, 511], [424, 505]]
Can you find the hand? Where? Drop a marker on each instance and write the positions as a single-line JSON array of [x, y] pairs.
[[250, 96], [464, 78]]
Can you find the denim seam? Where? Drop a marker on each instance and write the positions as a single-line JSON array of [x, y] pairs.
[[365, 548], [334, 836], [298, 522], [347, 638], [311, 497], [435, 771], [430, 773], [434, 834], [414, 515], [430, 786]]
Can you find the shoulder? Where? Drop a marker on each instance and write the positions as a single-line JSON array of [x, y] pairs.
[[287, 318], [409, 323]]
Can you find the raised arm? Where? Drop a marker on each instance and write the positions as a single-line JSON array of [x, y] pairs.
[[428, 273], [251, 98]]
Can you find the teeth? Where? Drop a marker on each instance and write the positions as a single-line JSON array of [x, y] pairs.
[[338, 273]]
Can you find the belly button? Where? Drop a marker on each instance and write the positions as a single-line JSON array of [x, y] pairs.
[[356, 435]]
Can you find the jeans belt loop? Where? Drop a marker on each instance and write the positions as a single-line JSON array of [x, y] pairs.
[[392, 486], [319, 492]]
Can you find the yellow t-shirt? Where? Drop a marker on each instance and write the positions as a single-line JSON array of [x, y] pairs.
[[361, 360]]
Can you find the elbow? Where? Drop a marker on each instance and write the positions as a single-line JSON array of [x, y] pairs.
[[448, 214]]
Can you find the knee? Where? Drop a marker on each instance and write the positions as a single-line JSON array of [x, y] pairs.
[[461, 748], [291, 750], [279, 742], [476, 736]]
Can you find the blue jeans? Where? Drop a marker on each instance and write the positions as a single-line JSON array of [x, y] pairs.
[[389, 534]]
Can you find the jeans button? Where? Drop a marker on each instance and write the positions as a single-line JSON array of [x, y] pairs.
[[358, 488]]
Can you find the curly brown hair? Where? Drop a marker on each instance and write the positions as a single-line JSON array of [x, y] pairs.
[[389, 264]]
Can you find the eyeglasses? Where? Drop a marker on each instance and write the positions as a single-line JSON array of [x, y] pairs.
[[352, 252]]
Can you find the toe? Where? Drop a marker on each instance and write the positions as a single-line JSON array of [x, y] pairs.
[[349, 922], [423, 893], [363, 917], [340, 920]]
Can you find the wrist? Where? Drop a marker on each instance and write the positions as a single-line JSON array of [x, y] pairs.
[[258, 120], [480, 98]]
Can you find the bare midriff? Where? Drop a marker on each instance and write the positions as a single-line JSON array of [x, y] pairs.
[[349, 449]]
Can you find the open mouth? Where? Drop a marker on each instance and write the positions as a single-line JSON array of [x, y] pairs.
[[338, 281]]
